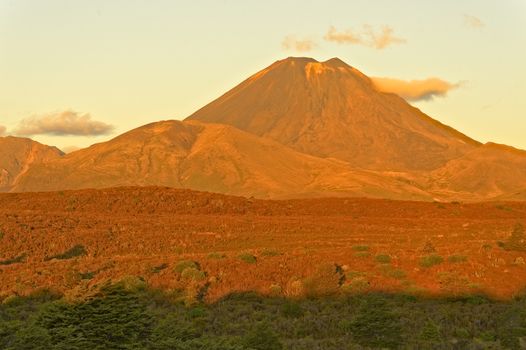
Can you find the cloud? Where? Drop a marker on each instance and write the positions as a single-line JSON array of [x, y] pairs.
[[415, 90], [367, 36], [290, 42], [2, 130], [473, 22], [62, 124]]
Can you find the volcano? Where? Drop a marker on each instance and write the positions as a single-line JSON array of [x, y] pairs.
[[331, 110]]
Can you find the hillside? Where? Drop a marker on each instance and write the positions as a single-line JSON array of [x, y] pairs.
[[17, 155], [210, 157]]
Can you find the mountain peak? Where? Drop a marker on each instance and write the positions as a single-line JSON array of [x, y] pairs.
[[329, 109], [302, 60], [336, 62]]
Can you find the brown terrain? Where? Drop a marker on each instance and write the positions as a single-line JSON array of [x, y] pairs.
[[17, 155], [299, 128], [147, 231], [211, 157]]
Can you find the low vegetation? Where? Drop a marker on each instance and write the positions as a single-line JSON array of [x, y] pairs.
[[248, 258], [15, 260], [74, 252], [127, 315], [431, 260]]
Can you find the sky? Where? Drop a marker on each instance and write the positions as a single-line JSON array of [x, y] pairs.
[[74, 73]]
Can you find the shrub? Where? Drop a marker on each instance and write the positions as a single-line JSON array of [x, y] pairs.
[[262, 338], [74, 252], [270, 252], [248, 258], [383, 259], [376, 326], [216, 256], [396, 273], [457, 258], [16, 260], [192, 273], [431, 260], [184, 264], [361, 248], [291, 309], [362, 254], [87, 275]]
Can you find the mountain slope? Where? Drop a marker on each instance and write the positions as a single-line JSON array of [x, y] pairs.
[[17, 155], [487, 172], [329, 109], [210, 157]]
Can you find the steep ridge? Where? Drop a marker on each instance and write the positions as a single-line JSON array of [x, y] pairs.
[[330, 109], [17, 155], [211, 157]]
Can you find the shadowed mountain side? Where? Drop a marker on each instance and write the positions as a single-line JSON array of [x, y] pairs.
[[329, 109], [210, 157], [491, 171], [18, 154]]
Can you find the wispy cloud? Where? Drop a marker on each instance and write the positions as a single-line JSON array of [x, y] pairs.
[[473, 22], [62, 124], [290, 42], [367, 36], [415, 90], [2, 130]]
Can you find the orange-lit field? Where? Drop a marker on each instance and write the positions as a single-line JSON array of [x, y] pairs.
[[416, 247]]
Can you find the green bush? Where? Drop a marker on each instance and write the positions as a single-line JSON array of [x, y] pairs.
[[17, 260], [216, 256], [262, 338], [74, 252], [184, 264], [291, 309], [431, 260], [361, 248], [457, 258], [377, 326], [248, 258], [192, 273], [383, 259], [362, 254], [270, 252]]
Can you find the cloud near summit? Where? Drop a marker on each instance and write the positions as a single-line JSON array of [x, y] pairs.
[[290, 42], [62, 124], [415, 90], [367, 36]]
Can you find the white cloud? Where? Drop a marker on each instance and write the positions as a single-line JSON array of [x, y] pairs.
[[415, 90], [290, 42], [62, 124], [367, 36]]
